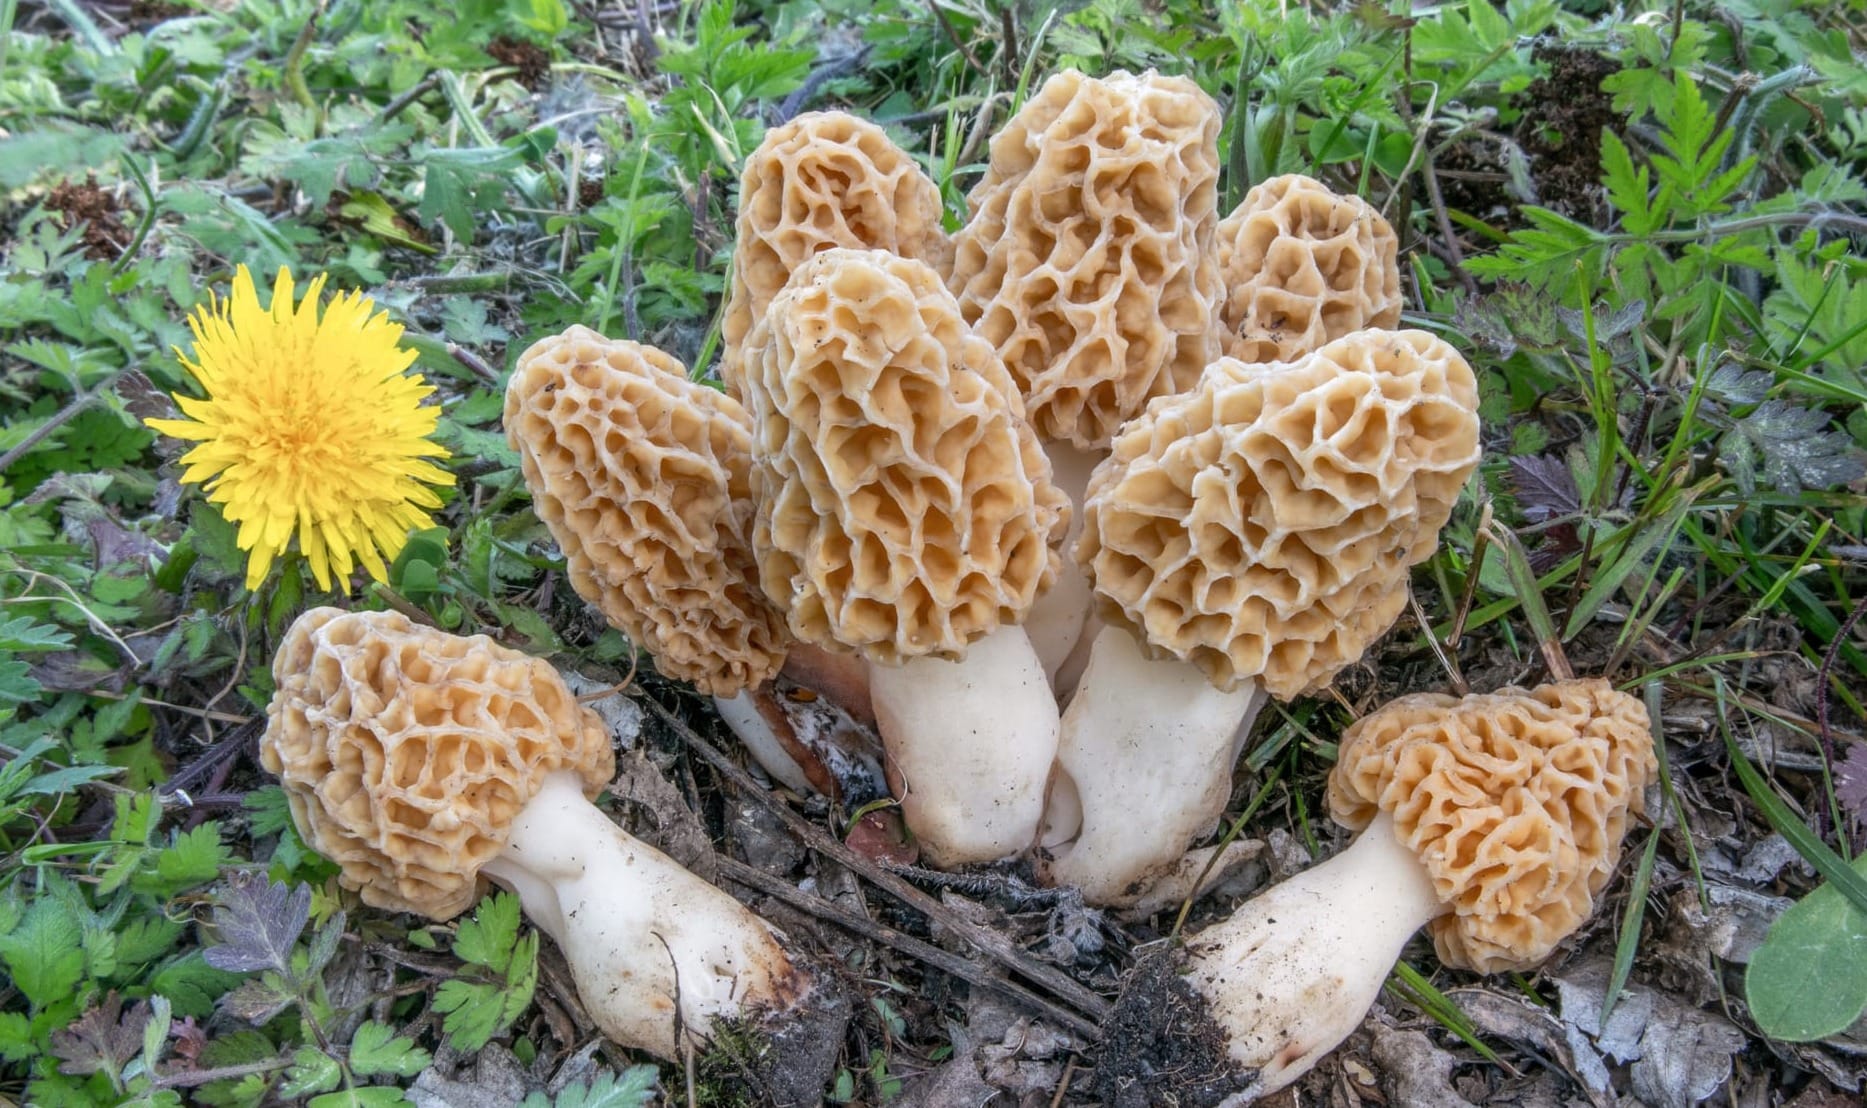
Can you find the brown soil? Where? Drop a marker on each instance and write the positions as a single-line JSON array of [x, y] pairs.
[[532, 62], [1564, 114], [1559, 132], [1160, 1046], [105, 236]]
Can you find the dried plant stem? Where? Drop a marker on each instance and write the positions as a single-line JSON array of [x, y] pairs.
[[987, 941]]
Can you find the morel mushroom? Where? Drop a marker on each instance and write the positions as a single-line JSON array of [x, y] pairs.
[[420, 761], [644, 479], [1494, 820], [905, 513], [1088, 259], [822, 180], [1088, 262], [1302, 267], [1250, 537]]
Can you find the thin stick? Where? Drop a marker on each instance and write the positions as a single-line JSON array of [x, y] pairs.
[[988, 942], [920, 950]]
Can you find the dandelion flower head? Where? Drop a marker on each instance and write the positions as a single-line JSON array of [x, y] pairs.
[[310, 428]]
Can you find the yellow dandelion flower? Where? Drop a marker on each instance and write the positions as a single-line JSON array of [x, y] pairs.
[[311, 428]]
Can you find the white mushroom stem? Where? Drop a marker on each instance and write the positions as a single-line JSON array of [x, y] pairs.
[[1295, 969], [969, 745], [1144, 767], [657, 954], [1057, 618]]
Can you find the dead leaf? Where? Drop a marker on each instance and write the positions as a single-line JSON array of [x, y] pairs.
[[1680, 1055], [1414, 1073]]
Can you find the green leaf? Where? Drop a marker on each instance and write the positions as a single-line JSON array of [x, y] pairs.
[[42, 952], [375, 1097], [471, 1013], [634, 1089], [1809, 978], [312, 1071], [16, 1038], [194, 858], [191, 984], [23, 633], [489, 937], [377, 1049]]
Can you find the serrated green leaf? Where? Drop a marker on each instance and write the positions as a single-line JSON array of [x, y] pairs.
[[471, 1013], [635, 1088], [194, 858], [23, 633], [376, 1049], [191, 984], [17, 685], [42, 952], [521, 981], [488, 938], [17, 1042], [311, 1071]]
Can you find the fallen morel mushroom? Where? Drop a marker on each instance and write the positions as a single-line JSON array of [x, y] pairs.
[[420, 761], [644, 479], [1251, 536], [1495, 820]]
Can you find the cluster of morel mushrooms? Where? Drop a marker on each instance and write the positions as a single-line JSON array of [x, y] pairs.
[[1055, 503]]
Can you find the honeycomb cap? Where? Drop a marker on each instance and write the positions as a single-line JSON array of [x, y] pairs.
[[1088, 261], [644, 479], [405, 752], [1261, 525], [1303, 266], [823, 179], [1516, 801], [904, 506]]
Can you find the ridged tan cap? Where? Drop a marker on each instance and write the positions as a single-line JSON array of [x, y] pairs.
[[644, 479], [405, 752], [904, 506], [1261, 524], [1088, 261], [1516, 801], [1302, 266], [823, 179]]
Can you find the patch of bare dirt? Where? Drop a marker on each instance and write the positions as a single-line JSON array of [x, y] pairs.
[[1564, 115], [97, 209], [531, 61]]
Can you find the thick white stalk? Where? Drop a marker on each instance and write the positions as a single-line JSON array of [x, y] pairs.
[[1057, 618], [645, 938], [1295, 969], [969, 746], [1144, 765]]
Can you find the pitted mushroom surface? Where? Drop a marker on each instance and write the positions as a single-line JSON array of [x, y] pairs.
[[904, 508], [1303, 266], [420, 761], [1516, 801], [907, 514], [643, 478], [1496, 818], [1249, 537], [1088, 261], [822, 180]]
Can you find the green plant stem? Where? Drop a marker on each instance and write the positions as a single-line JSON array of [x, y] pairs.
[[295, 59]]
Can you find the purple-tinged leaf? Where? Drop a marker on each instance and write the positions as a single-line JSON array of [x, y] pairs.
[[1545, 487], [103, 1040], [259, 921]]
